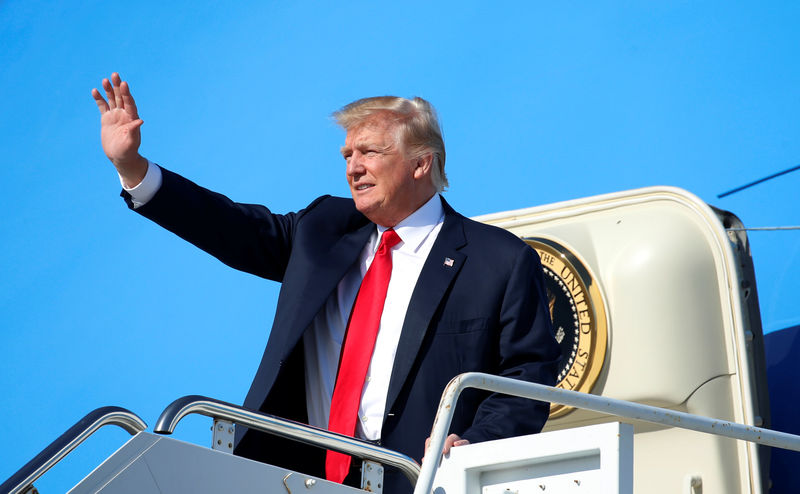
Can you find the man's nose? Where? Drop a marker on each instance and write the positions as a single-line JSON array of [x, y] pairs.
[[355, 166]]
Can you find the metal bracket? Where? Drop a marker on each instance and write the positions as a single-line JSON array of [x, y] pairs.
[[372, 476], [693, 484], [222, 438]]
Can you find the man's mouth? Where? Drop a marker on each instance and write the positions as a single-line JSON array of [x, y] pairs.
[[364, 186]]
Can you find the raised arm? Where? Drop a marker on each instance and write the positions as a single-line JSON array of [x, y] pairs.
[[119, 130]]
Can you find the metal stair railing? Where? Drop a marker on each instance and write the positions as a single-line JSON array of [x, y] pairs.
[[290, 429], [23, 480], [422, 478], [611, 406]]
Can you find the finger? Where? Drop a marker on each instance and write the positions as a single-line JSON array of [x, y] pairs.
[[127, 99], [448, 443], [112, 100], [460, 442], [101, 103], [116, 81], [131, 126]]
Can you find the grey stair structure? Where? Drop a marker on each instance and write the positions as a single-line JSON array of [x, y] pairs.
[[155, 464]]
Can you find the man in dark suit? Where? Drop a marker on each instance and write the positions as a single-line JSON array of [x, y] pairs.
[[462, 296]]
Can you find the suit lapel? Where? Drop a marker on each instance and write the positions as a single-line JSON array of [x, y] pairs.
[[327, 275], [438, 273]]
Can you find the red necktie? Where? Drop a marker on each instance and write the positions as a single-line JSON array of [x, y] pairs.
[[357, 352]]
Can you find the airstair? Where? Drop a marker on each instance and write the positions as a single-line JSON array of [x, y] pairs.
[[593, 459]]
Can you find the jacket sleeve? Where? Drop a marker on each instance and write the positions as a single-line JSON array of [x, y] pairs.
[[247, 237]]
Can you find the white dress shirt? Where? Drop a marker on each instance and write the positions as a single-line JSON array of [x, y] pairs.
[[323, 340], [147, 188]]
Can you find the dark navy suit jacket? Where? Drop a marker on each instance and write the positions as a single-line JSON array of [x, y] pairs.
[[484, 311]]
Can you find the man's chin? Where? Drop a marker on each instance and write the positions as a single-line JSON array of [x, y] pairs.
[[373, 213], [364, 207]]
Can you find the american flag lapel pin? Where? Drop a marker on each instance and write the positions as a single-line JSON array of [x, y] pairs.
[[448, 262]]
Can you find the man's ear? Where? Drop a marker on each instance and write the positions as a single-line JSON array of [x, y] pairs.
[[423, 165]]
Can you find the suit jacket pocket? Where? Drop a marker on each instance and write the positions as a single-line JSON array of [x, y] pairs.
[[461, 326], [462, 346]]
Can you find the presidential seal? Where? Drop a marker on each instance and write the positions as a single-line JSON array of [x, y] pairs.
[[578, 315]]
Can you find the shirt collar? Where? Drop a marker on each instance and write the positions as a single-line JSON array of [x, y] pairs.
[[418, 225]]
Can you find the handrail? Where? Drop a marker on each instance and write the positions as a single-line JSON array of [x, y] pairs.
[[621, 408], [290, 429], [61, 447]]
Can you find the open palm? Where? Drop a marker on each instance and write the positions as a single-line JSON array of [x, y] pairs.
[[119, 134], [119, 127]]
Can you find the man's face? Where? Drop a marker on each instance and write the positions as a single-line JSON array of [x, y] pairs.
[[386, 185]]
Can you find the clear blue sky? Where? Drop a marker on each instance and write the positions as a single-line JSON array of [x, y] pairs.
[[540, 102]]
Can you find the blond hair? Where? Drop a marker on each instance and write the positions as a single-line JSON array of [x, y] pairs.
[[416, 123]]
